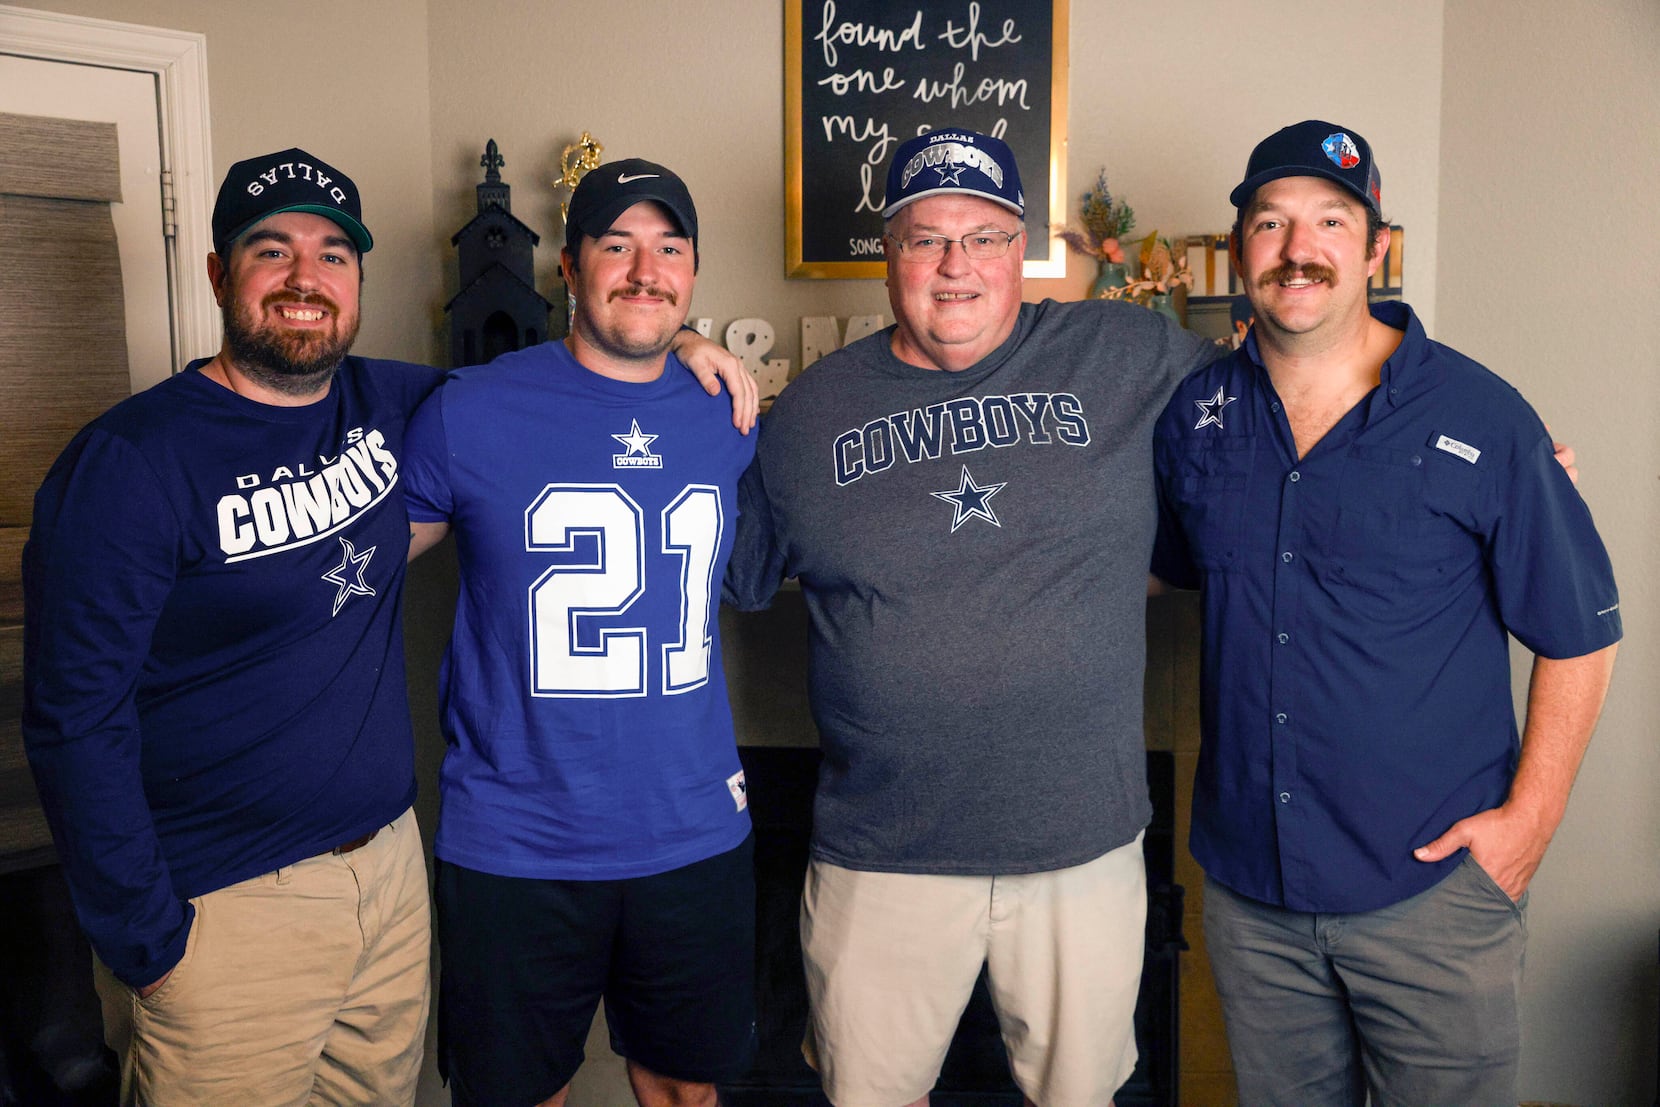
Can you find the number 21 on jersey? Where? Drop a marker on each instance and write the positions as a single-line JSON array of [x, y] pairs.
[[598, 592]]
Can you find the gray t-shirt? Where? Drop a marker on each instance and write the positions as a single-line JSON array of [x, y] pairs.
[[973, 549]]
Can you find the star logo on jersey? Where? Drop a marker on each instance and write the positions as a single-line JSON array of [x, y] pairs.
[[971, 501], [348, 575], [1210, 411], [638, 446]]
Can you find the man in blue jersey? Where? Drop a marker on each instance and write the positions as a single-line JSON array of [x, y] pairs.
[[1370, 516], [594, 837], [215, 708]]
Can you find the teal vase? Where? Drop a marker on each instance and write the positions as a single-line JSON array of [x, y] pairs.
[[1112, 275], [1162, 303]]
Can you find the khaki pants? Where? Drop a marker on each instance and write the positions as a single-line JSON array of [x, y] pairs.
[[891, 960], [307, 985]]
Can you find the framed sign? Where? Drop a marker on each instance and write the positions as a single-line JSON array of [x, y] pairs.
[[862, 76]]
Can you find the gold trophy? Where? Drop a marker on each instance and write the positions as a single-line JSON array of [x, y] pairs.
[[577, 159]]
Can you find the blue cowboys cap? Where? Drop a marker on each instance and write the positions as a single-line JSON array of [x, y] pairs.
[[606, 191], [965, 163], [289, 180], [1313, 148]]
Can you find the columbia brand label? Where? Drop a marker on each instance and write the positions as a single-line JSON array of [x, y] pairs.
[[1458, 449], [1342, 151], [740, 793], [637, 450]]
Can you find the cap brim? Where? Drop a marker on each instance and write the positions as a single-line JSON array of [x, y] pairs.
[[889, 211], [357, 232], [1242, 193]]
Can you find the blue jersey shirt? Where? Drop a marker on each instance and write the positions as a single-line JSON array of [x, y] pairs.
[[583, 697], [1356, 693]]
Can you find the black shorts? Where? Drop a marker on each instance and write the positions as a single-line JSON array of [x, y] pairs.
[[525, 962]]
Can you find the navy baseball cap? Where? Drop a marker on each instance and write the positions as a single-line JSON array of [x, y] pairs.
[[1313, 148], [953, 161], [607, 191], [289, 180]]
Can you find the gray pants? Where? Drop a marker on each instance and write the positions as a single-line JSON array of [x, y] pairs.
[[1417, 1002]]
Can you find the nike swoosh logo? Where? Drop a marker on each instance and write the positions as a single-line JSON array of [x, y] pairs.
[[624, 178]]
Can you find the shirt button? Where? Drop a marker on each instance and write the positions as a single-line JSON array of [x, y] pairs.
[[1295, 476], [1275, 406], [1416, 460], [1282, 637], [1285, 797], [1280, 718], [1287, 556]]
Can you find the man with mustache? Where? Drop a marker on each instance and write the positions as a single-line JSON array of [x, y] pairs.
[[215, 707], [594, 838], [1369, 516]]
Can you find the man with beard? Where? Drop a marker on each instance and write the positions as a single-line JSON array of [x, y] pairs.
[[215, 704], [215, 708]]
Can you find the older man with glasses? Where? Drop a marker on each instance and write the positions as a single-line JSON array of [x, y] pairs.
[[967, 501]]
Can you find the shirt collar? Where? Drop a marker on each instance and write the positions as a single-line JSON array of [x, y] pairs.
[[1403, 373]]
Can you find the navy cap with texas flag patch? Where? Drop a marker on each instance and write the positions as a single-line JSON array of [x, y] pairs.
[[954, 161], [289, 180], [1313, 148]]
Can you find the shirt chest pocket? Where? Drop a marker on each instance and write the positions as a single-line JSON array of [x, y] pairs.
[[1210, 486], [1397, 520]]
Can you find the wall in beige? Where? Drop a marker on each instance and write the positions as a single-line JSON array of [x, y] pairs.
[[351, 88], [1550, 148]]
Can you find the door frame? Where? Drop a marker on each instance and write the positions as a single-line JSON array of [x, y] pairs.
[[178, 60]]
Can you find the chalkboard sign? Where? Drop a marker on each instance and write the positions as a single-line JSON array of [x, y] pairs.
[[862, 76]]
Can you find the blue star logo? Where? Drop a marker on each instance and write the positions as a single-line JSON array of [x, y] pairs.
[[349, 574], [1210, 411], [950, 173], [971, 500]]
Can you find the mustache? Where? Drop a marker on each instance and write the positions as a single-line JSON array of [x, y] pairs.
[[1311, 271], [646, 290], [316, 299]]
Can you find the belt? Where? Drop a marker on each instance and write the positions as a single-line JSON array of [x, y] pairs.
[[355, 843]]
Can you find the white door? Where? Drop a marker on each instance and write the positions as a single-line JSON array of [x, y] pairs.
[[29, 86]]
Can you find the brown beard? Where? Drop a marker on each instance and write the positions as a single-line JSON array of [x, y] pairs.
[[1312, 271], [295, 363]]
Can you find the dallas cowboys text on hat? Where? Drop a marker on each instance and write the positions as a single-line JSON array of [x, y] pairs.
[[607, 191], [954, 161], [1313, 148], [289, 180]]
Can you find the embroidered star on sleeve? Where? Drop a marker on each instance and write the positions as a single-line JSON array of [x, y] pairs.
[[971, 500]]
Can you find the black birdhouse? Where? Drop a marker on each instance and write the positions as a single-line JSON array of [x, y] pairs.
[[498, 308]]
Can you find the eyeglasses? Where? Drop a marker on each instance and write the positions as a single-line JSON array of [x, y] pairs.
[[979, 246]]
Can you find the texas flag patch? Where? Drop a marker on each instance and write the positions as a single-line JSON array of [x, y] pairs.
[[1342, 151]]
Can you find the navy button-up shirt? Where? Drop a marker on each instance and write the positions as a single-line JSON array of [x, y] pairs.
[[1356, 677]]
